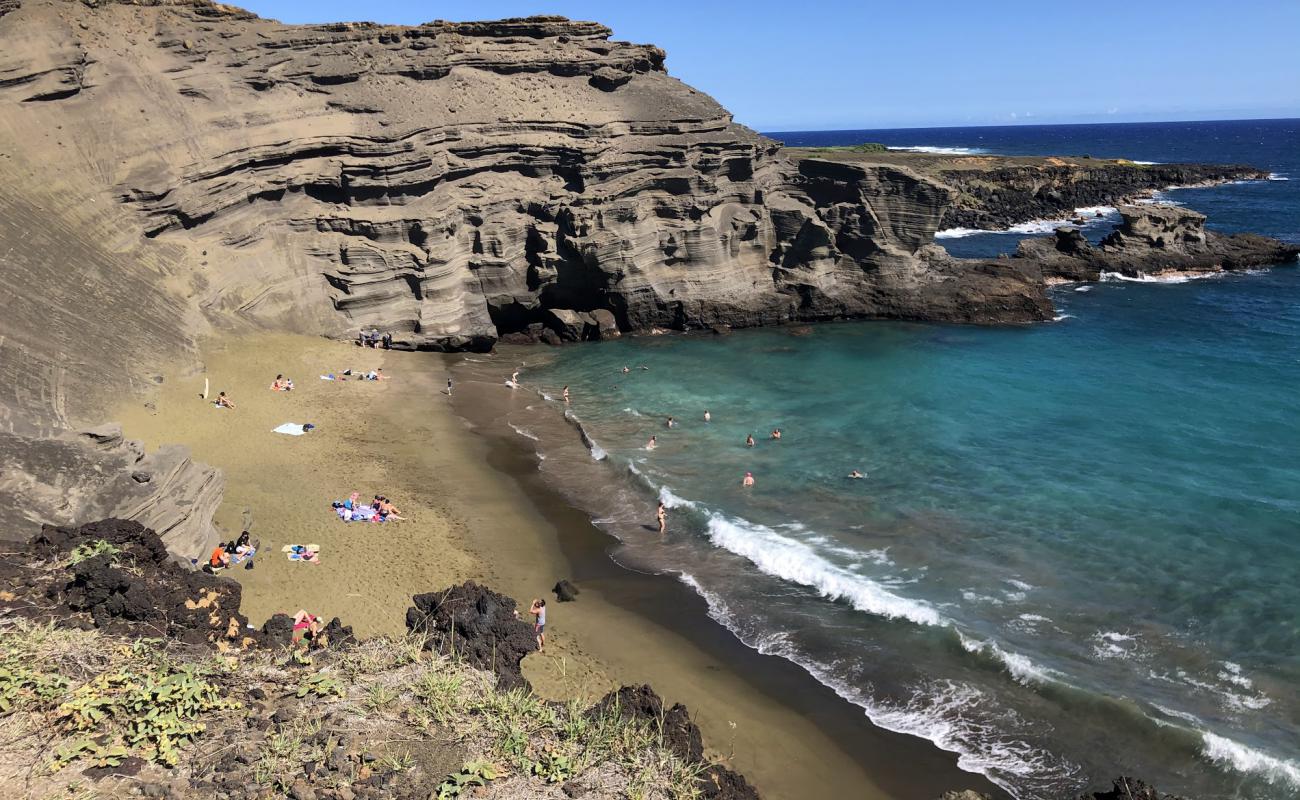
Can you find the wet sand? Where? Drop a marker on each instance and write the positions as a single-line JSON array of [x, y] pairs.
[[478, 509]]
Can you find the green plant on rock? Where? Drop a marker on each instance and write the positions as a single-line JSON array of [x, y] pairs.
[[441, 694], [553, 766], [23, 688], [87, 550], [379, 697], [458, 784], [149, 712], [319, 685]]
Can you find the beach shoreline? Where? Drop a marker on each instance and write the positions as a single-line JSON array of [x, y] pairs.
[[478, 509]]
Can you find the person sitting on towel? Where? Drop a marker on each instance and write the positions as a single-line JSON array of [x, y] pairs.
[[219, 559], [224, 402], [305, 625]]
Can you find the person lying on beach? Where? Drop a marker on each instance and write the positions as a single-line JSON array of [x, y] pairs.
[[749, 440], [388, 511], [305, 626], [224, 402], [856, 474], [538, 610], [749, 479]]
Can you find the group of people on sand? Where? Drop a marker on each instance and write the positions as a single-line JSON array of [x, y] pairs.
[[380, 509], [282, 384], [232, 554]]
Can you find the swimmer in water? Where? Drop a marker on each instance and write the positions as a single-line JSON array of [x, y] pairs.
[[652, 444], [707, 416], [662, 516], [626, 370], [671, 423], [514, 377], [566, 394], [749, 479], [776, 433], [749, 440], [856, 474]]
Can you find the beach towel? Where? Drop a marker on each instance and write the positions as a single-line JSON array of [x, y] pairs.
[[309, 553], [329, 377], [294, 429]]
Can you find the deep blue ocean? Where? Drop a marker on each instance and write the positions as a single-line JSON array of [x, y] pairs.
[[1076, 550]]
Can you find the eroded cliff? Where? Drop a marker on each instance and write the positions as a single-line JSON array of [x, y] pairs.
[[448, 182]]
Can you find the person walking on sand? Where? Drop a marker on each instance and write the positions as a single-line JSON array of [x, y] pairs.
[[662, 516], [538, 610], [449, 387], [565, 394], [652, 444], [749, 440], [749, 480]]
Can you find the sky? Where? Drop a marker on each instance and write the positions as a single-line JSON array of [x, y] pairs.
[[783, 66]]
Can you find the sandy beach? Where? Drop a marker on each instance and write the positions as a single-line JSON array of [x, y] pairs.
[[476, 509]]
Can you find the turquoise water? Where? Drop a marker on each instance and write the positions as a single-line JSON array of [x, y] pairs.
[[1076, 552]]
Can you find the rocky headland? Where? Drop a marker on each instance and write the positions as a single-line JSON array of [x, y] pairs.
[[993, 193]]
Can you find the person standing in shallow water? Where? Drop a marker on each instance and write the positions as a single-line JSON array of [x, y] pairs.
[[749, 480], [652, 444], [662, 516], [538, 610], [565, 394], [707, 416], [749, 440]]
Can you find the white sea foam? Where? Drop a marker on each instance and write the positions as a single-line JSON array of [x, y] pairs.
[[1083, 288], [1273, 176], [953, 716], [597, 452], [1019, 584], [939, 151], [1062, 317], [957, 233], [524, 432], [1147, 163], [1144, 278], [971, 596], [1037, 226], [795, 561], [1231, 673], [1019, 666], [671, 500], [632, 411], [1247, 760]]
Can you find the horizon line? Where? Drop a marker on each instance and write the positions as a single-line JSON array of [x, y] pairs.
[[768, 131]]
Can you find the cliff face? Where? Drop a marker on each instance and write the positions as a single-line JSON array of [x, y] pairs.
[[449, 182]]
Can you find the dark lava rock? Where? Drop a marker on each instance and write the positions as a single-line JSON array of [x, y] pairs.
[[719, 783], [141, 589], [478, 625], [565, 591], [1128, 789], [139, 476], [680, 735]]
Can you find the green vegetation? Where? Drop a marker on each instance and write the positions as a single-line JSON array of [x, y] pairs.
[[384, 707], [98, 547]]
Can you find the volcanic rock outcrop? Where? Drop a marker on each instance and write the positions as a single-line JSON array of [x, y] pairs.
[[1151, 240]]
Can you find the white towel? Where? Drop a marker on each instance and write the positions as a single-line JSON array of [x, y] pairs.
[[291, 428]]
